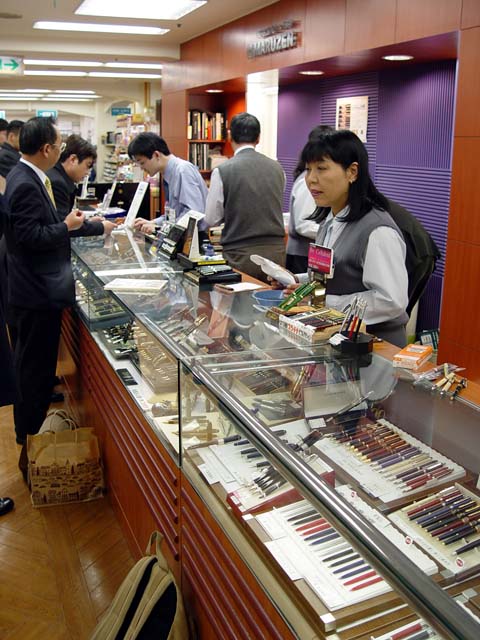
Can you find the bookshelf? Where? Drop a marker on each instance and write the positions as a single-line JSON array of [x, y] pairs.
[[206, 139], [208, 116]]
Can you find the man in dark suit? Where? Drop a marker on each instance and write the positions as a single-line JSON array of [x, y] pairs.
[[3, 130], [9, 151], [40, 278], [74, 164], [7, 383]]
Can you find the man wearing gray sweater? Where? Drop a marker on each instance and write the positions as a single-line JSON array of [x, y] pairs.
[[246, 194]]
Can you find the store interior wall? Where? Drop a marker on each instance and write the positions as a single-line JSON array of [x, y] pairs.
[[409, 142]]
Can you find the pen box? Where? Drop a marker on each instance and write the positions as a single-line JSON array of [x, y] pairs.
[[412, 356]]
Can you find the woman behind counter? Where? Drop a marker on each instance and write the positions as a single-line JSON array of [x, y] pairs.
[[369, 251]]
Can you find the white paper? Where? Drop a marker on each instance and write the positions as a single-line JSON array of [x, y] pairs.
[[273, 270], [136, 285]]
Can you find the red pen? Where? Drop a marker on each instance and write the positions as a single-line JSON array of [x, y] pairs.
[[404, 633], [360, 578], [309, 524], [366, 584]]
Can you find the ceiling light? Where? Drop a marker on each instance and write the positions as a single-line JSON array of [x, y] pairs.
[[30, 91], [397, 58], [15, 96], [63, 63], [100, 28], [106, 74], [71, 91], [311, 73], [3, 98], [213, 90], [23, 91], [65, 99], [133, 65], [55, 96], [67, 74], [158, 10]]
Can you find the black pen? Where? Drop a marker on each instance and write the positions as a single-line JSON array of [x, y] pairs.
[[468, 547]]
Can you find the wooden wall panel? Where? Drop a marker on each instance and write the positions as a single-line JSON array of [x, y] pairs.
[[252, 23], [213, 52], [221, 593], [174, 122], [467, 113], [192, 55], [426, 18], [290, 10], [464, 220], [234, 49], [470, 14], [460, 322], [469, 358], [324, 29], [369, 24]]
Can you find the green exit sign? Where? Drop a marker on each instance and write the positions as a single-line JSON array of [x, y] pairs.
[[47, 113], [11, 66]]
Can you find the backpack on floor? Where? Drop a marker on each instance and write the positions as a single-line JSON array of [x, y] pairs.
[[148, 605]]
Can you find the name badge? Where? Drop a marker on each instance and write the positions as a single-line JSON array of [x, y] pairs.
[[320, 259]]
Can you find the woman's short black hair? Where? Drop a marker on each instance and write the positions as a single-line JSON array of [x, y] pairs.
[[146, 143], [244, 128], [344, 148], [36, 133], [76, 145]]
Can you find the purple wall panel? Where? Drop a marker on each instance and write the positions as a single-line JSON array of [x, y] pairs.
[[312, 103], [425, 192], [415, 116], [409, 142]]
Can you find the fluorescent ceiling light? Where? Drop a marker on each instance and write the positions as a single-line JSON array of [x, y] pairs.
[[397, 58], [63, 63], [65, 99], [29, 91], [158, 10], [311, 73], [106, 74], [58, 96], [100, 28], [67, 74], [213, 90], [71, 91], [19, 99], [15, 96], [133, 65]]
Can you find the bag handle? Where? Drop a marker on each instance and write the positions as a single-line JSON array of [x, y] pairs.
[[61, 413], [156, 537]]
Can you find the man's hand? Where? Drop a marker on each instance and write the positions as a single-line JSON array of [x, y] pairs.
[[74, 220], [138, 223], [108, 227]]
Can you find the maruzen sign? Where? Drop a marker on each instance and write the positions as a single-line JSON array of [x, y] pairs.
[[278, 37]]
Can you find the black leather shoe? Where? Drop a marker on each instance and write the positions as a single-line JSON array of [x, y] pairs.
[[6, 505], [57, 396]]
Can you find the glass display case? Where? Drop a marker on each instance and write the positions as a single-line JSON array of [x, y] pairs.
[[349, 480], [347, 486]]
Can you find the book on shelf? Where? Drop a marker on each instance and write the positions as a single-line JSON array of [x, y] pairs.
[[203, 125]]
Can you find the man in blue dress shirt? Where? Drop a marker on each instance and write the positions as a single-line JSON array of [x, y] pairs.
[[182, 180]]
